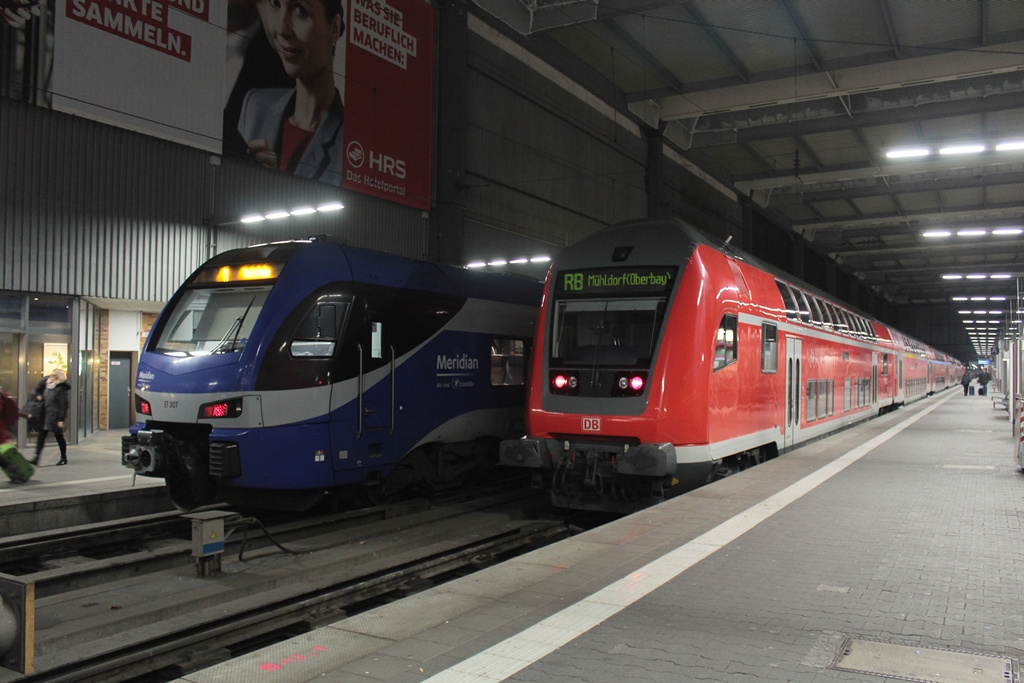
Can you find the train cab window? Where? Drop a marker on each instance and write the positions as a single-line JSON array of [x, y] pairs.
[[725, 342], [508, 362], [316, 336], [788, 300], [621, 332], [210, 320], [769, 348], [805, 309]]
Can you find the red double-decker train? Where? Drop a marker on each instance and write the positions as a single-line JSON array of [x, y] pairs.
[[664, 358]]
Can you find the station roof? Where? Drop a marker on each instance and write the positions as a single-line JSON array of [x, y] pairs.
[[800, 104]]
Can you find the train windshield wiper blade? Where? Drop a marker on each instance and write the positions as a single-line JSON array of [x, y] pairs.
[[233, 331]]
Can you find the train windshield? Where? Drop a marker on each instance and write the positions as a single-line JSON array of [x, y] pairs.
[[210, 320], [613, 332]]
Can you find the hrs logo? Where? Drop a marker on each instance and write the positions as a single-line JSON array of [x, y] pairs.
[[374, 161]]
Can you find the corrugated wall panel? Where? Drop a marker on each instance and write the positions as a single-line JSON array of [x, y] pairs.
[[94, 210], [542, 162]]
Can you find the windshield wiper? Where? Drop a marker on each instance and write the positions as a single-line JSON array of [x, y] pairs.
[[233, 331]]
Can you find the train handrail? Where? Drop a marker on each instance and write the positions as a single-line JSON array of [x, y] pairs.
[[359, 391], [392, 419]]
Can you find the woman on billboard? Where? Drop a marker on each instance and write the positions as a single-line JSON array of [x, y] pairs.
[[299, 129]]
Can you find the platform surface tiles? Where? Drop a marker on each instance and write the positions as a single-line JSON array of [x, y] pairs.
[[891, 551]]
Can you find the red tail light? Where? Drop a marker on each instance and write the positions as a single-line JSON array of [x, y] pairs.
[[142, 406], [212, 411]]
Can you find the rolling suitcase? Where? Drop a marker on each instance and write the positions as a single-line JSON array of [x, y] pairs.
[[970, 390], [15, 466]]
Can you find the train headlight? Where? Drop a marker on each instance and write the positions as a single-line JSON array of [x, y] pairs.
[[565, 383], [630, 383], [221, 409]]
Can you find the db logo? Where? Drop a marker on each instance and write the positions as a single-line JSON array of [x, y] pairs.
[[355, 154], [591, 424]]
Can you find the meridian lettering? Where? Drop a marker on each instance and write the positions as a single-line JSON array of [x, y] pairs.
[[461, 362]]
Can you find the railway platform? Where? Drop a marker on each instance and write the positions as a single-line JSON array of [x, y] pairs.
[[889, 551], [93, 486]]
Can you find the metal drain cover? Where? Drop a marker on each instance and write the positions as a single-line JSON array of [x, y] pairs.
[[926, 664]]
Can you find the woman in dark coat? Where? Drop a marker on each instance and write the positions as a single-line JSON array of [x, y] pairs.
[[55, 410]]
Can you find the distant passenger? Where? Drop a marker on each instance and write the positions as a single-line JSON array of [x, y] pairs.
[[983, 379], [966, 380], [55, 409]]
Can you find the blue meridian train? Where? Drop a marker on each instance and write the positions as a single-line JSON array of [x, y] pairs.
[[282, 373]]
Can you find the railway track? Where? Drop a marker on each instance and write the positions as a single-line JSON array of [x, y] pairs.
[[126, 604]]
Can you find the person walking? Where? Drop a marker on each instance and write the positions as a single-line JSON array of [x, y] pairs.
[[966, 380], [55, 409], [983, 379]]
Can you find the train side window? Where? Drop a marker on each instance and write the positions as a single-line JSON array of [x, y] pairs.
[[847, 395], [816, 318], [831, 396], [376, 340], [831, 319], [317, 335], [885, 365], [769, 348], [508, 362], [844, 326], [823, 398], [725, 342], [788, 300], [812, 400], [805, 309]]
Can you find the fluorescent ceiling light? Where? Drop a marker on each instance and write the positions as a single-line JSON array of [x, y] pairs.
[[936, 233], [498, 262], [303, 211], [962, 149], [997, 298], [476, 264], [1007, 231], [960, 298], [1000, 276], [331, 206], [252, 218], [979, 298], [908, 152], [277, 215], [518, 261], [540, 259], [1010, 145], [952, 276], [977, 276], [971, 232]]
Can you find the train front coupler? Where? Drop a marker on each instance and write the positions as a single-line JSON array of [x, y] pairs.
[[147, 452]]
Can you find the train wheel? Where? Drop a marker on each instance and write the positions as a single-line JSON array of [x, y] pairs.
[[189, 483]]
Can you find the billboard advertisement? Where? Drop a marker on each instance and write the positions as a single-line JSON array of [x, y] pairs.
[[337, 91]]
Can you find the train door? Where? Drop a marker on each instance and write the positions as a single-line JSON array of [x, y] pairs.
[[376, 384], [793, 386], [361, 433]]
